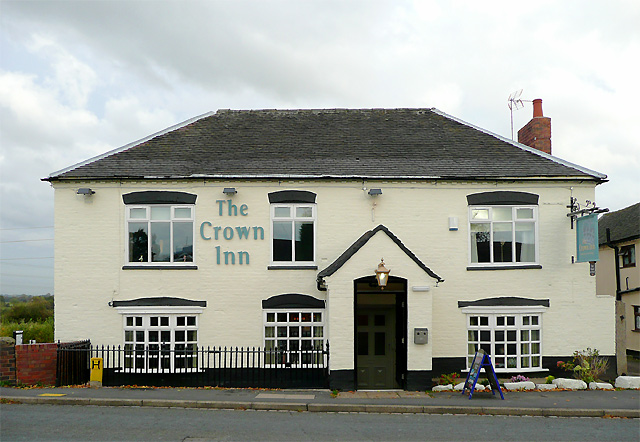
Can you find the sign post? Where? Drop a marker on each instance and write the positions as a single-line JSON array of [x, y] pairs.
[[481, 360]]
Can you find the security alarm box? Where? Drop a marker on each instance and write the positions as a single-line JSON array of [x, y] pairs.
[[420, 335]]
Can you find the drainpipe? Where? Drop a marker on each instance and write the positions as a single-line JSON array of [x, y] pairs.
[[617, 263]]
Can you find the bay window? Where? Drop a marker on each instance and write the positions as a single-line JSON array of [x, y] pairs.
[[512, 340]]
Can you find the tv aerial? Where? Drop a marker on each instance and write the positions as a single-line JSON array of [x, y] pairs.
[[515, 102]]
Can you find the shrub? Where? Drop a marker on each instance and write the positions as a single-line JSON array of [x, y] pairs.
[[587, 365], [549, 379], [446, 379], [37, 309], [40, 331]]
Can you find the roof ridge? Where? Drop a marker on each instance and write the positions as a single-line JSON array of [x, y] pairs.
[[530, 149]]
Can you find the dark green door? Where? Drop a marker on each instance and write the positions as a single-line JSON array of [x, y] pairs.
[[376, 348]]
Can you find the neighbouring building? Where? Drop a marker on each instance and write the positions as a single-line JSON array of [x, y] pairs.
[[618, 275], [266, 227]]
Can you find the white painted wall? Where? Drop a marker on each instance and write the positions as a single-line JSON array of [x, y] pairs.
[[90, 252]]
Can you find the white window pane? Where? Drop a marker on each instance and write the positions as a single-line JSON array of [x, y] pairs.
[[525, 242], [480, 243], [304, 241], [160, 213], [282, 212], [138, 242], [502, 214], [183, 242], [282, 241], [502, 237], [182, 212], [478, 214], [138, 213], [524, 213], [160, 242], [304, 212]]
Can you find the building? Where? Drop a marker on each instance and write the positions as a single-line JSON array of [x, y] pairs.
[[619, 276], [265, 228]]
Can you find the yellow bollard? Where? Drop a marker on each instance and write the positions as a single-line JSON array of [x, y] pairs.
[[95, 379]]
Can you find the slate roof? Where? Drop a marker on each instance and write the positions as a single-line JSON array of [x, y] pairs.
[[624, 225], [329, 143]]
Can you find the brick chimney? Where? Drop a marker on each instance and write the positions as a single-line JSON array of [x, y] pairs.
[[537, 132]]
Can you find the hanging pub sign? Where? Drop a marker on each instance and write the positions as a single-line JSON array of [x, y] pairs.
[[587, 238], [481, 360]]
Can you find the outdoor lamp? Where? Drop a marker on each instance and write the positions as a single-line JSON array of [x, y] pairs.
[[85, 191], [382, 274], [229, 191]]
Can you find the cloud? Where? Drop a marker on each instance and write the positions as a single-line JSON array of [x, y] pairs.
[[80, 78]]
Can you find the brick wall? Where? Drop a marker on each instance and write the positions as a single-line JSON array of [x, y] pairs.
[[7, 361], [36, 363]]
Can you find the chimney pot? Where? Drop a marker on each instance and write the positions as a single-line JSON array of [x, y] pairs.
[[537, 108], [537, 132]]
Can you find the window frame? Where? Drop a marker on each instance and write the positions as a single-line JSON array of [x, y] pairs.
[[513, 222], [172, 221], [629, 252], [519, 313], [145, 313], [636, 318], [293, 218], [289, 361]]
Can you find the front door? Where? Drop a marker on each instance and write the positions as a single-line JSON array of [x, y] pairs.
[[376, 347]]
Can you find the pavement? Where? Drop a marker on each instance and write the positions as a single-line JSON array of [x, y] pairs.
[[563, 403]]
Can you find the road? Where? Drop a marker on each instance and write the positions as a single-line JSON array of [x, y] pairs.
[[91, 423]]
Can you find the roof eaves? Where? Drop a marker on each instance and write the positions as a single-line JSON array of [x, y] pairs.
[[55, 174], [595, 174]]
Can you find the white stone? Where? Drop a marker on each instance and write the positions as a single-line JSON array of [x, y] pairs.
[[442, 387], [628, 382], [459, 387], [546, 386], [512, 386], [570, 384], [600, 386]]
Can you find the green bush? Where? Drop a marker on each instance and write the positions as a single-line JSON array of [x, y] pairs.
[[40, 331], [587, 365], [37, 309], [446, 379]]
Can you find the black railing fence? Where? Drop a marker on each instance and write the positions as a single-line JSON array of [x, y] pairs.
[[237, 367], [72, 365]]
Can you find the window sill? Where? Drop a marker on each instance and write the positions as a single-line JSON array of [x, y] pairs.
[[167, 267], [515, 267], [292, 267]]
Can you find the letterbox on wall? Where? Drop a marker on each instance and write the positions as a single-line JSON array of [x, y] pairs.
[[420, 335]]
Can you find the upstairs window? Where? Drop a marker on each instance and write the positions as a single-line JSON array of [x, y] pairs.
[[628, 256], [503, 234], [293, 233], [160, 233]]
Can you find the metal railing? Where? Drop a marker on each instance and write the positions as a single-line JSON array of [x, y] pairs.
[[211, 366], [72, 364]]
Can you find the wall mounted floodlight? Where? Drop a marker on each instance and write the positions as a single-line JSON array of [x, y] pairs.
[[229, 191], [375, 192], [85, 191]]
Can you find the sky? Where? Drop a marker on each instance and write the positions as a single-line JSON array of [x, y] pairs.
[[79, 78]]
